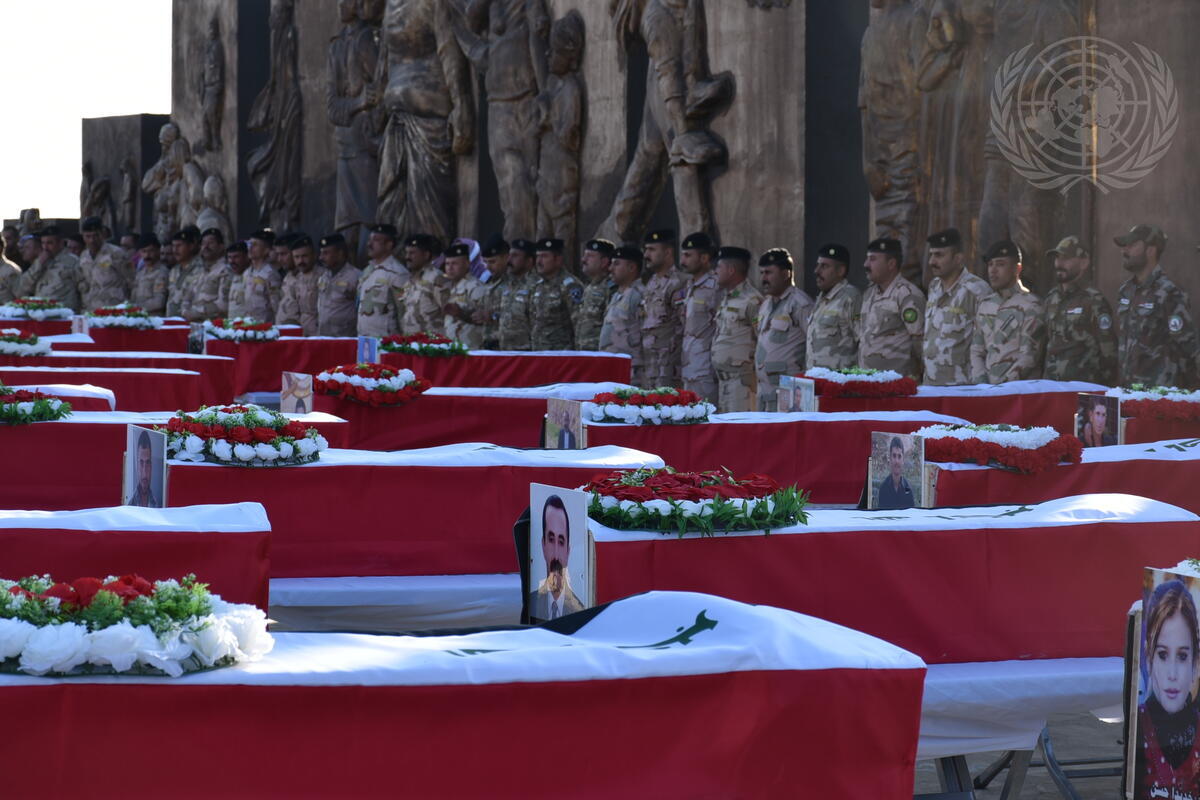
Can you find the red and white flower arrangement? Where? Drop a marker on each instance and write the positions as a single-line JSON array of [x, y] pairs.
[[123, 315], [243, 436], [124, 626], [1027, 450], [16, 342], [241, 329], [854, 382], [35, 308], [372, 384], [1158, 402], [661, 406], [424, 344], [21, 407], [707, 502]]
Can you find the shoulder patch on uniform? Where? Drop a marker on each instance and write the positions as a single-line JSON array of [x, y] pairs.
[[1175, 323], [1105, 322], [909, 315], [577, 293]]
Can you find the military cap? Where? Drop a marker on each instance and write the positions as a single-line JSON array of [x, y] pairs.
[[524, 245], [628, 253], [1069, 247], [75, 237], [284, 239], [1002, 249], [661, 236], [213, 232], [496, 246], [148, 240], [888, 246], [50, 230], [837, 252], [264, 235], [237, 247], [424, 241], [1150, 234], [698, 241], [550, 245], [185, 235], [91, 224], [384, 229], [602, 246], [947, 238], [195, 231], [299, 241], [776, 256], [457, 249], [333, 240], [735, 253]]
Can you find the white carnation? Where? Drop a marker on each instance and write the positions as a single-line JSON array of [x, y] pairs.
[[306, 446], [266, 452], [166, 654], [118, 645], [212, 641], [249, 625], [58, 648], [222, 449], [193, 443], [244, 452], [13, 635], [285, 450], [322, 442]]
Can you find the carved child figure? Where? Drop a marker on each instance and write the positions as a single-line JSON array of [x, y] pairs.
[[560, 126]]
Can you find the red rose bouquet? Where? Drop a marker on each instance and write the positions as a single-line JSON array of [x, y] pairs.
[[372, 384], [424, 344]]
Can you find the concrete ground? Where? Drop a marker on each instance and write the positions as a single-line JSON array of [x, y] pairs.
[[1073, 736]]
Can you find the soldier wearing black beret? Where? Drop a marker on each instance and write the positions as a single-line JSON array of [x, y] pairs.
[[833, 330], [337, 288], [783, 322], [700, 299], [598, 288]]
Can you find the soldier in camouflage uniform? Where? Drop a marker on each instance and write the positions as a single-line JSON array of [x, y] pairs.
[[384, 286], [211, 297], [954, 298], [597, 258], [56, 276], [736, 335], [262, 283], [1010, 333], [426, 297], [555, 300], [1081, 337], [622, 328], [337, 289], [833, 328], [467, 298], [1157, 341], [662, 322], [237, 255], [298, 301], [892, 321], [182, 284], [10, 278], [104, 267], [499, 285], [515, 324], [782, 326], [701, 297]]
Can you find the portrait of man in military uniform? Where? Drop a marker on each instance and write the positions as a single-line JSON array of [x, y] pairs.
[[897, 462]]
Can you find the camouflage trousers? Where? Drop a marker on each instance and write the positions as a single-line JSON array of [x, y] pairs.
[[735, 390], [768, 400], [661, 369]]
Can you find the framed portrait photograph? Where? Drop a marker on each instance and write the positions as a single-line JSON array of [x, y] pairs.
[[1098, 420], [295, 393], [144, 480], [561, 553], [564, 425], [368, 349], [896, 471]]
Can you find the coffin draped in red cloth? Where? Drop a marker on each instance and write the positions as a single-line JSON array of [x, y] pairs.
[[226, 547], [82, 397], [135, 389], [1143, 430], [259, 364], [972, 584], [216, 372], [172, 339], [486, 368], [444, 511], [46, 327]]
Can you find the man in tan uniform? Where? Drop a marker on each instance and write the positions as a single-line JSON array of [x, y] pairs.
[[554, 301], [298, 301], [1010, 330], [662, 324], [210, 299], [104, 267], [10, 278], [466, 300], [188, 267], [701, 297], [262, 283], [597, 261], [55, 276], [892, 322], [737, 331], [833, 329], [782, 326], [515, 325], [426, 297], [622, 328], [383, 286], [337, 289], [237, 255], [499, 285], [954, 298]]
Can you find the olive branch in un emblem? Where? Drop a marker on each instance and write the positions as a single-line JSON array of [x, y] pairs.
[[1035, 167]]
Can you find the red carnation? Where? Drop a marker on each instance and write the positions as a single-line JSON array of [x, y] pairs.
[[85, 589], [240, 434], [64, 592], [264, 434]]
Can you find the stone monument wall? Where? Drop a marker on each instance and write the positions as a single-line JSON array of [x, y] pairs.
[[110, 146]]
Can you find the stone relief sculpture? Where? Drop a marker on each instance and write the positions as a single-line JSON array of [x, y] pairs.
[[681, 96], [353, 57], [164, 180], [85, 187], [275, 166], [191, 189], [212, 86], [213, 213], [560, 110], [506, 41], [430, 116], [127, 216], [31, 221]]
